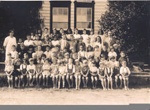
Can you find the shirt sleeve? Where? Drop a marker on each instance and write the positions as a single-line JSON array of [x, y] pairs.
[[74, 69], [129, 72], [5, 42], [15, 42], [121, 70], [27, 67]]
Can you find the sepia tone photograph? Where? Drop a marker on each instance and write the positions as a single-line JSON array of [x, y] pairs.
[[74, 52]]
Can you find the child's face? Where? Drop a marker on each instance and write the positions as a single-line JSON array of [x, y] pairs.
[[26, 56], [54, 62], [24, 62], [89, 49], [84, 32], [28, 38], [17, 55], [31, 34], [47, 48], [109, 33], [18, 63], [77, 63], [98, 39], [112, 50], [73, 50], [96, 49], [85, 63], [91, 33], [64, 37], [66, 56], [70, 61], [122, 54], [124, 64], [46, 61], [30, 50], [45, 30], [20, 40], [11, 33], [37, 37], [39, 48], [31, 62], [55, 38], [13, 48], [39, 31], [81, 48], [88, 40], [22, 46], [76, 31]]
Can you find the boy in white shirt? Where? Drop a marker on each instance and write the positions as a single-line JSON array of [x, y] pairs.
[[29, 41]]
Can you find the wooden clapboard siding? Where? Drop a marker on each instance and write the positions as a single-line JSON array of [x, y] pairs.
[[100, 8], [72, 15], [45, 14]]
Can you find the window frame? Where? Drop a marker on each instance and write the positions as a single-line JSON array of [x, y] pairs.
[[60, 4], [78, 4]]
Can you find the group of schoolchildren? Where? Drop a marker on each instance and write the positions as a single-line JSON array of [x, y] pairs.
[[68, 59]]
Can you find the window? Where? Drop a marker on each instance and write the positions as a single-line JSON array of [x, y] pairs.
[[84, 14], [60, 17], [84, 18], [60, 14]]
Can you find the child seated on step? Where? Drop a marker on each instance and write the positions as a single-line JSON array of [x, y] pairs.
[[125, 72], [102, 74], [70, 70], [23, 70], [31, 69], [9, 69], [46, 67], [62, 74], [77, 74], [39, 71], [85, 72], [54, 72]]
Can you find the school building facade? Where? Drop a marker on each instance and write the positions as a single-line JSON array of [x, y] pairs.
[[81, 14]]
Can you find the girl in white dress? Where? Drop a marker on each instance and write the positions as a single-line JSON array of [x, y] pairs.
[[46, 68]]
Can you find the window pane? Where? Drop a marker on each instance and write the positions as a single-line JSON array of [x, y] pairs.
[[84, 17], [60, 25], [84, 25], [60, 17]]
